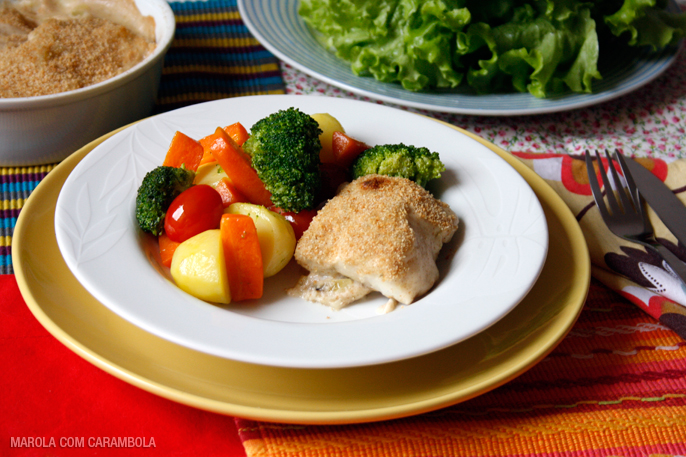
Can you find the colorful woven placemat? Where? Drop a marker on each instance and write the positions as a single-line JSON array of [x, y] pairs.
[[615, 386], [17, 184], [213, 56]]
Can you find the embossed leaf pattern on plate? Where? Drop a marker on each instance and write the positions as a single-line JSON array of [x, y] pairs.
[[506, 227], [93, 225], [484, 279]]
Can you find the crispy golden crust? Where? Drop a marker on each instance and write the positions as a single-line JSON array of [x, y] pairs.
[[371, 226], [64, 55], [13, 21]]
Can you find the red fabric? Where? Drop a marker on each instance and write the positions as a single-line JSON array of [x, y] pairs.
[[50, 392]]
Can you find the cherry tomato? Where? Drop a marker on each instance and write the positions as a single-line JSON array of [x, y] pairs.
[[333, 176], [346, 149], [299, 221], [195, 210]]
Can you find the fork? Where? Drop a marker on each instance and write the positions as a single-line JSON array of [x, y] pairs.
[[628, 221]]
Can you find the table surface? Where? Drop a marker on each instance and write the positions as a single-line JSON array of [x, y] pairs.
[[616, 385]]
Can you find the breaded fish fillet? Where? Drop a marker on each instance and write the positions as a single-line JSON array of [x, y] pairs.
[[381, 231]]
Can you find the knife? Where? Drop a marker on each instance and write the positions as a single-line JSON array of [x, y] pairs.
[[671, 210]]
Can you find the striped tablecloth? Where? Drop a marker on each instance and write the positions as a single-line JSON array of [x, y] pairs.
[[616, 385], [17, 184]]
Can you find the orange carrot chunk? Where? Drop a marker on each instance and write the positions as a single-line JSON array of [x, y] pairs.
[[183, 150], [167, 248], [207, 157], [242, 256], [237, 132], [346, 149], [229, 193], [205, 143], [236, 165]]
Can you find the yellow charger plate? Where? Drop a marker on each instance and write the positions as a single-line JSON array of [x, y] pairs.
[[313, 396]]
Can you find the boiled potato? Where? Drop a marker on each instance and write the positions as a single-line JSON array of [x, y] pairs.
[[328, 124], [210, 174], [198, 267], [274, 232]]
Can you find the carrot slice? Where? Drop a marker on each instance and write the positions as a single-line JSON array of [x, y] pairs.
[[167, 248], [207, 157], [183, 150], [243, 256], [236, 165], [229, 193], [237, 132], [346, 149]]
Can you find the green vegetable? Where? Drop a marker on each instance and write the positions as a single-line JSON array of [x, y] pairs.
[[533, 53], [417, 164], [407, 41], [284, 148], [157, 191], [544, 47], [647, 23]]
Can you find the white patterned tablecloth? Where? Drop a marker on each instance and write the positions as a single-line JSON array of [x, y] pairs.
[[649, 122]]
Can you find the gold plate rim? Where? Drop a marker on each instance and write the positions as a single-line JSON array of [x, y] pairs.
[[526, 348]]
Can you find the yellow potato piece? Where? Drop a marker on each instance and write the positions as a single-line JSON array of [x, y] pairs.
[[274, 232], [328, 124], [198, 267], [209, 173]]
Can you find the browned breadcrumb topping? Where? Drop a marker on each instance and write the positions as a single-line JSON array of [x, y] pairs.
[[369, 224], [14, 27], [11, 19], [63, 55]]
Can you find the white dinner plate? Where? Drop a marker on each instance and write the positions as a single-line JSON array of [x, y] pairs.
[[492, 262], [278, 27]]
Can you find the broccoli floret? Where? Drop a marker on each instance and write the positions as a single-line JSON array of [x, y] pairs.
[[417, 164], [284, 148], [157, 191]]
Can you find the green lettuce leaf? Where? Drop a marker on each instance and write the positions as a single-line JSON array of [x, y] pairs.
[[544, 47], [647, 23], [405, 41], [534, 53]]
